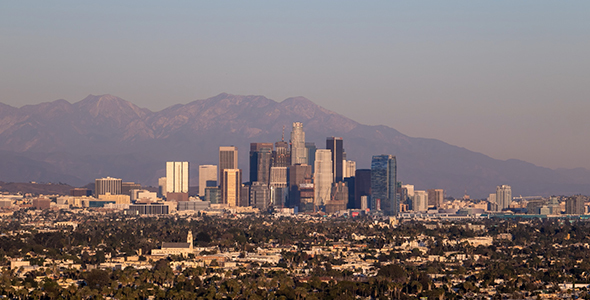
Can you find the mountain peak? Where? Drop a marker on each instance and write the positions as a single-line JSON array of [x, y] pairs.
[[109, 105], [98, 99], [298, 100]]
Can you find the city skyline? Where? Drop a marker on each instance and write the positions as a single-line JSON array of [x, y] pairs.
[[123, 125], [295, 150]]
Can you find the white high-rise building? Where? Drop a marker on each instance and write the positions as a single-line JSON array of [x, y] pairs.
[[207, 177], [323, 177], [110, 185], [278, 177], [364, 202], [349, 168], [503, 196], [298, 150], [177, 177], [420, 201], [493, 206], [410, 189]]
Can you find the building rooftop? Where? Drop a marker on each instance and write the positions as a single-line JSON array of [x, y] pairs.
[[176, 245]]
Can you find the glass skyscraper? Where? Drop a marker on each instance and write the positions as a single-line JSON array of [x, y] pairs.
[[335, 145], [298, 151], [383, 184]]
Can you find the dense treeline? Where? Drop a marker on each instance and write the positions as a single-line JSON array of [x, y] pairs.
[[541, 255]]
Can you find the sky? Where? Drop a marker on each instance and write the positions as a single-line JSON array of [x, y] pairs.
[[510, 79]]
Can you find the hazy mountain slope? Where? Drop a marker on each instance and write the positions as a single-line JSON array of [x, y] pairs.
[[108, 136]]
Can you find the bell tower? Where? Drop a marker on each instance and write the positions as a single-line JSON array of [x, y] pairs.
[[189, 239]]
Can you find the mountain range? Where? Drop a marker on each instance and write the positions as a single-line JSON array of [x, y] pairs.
[[107, 136]]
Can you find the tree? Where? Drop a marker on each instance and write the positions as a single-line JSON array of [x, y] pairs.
[[97, 279]]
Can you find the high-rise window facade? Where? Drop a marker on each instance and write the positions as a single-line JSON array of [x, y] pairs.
[[108, 185], [231, 192], [383, 184], [260, 160], [177, 177], [435, 197], [298, 150], [311, 148], [281, 156], [323, 177], [335, 145], [574, 205], [362, 186], [207, 178], [228, 159], [503, 196], [420, 201]]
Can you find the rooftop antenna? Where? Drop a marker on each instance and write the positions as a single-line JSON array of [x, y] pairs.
[[283, 137]]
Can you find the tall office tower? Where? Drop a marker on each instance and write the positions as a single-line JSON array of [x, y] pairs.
[[260, 160], [364, 202], [555, 208], [228, 159], [362, 186], [410, 190], [311, 148], [503, 196], [298, 152], [349, 168], [127, 187], [338, 197], [402, 196], [323, 177], [435, 197], [177, 177], [350, 184], [335, 144], [245, 195], [260, 195], [420, 201], [574, 205], [213, 195], [306, 194], [383, 184], [162, 187], [281, 156], [297, 175], [231, 190], [278, 177], [278, 196], [207, 178], [492, 203], [108, 185]]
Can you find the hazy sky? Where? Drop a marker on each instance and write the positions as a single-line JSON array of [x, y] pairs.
[[510, 79]]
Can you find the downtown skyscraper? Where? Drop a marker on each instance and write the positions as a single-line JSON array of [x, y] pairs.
[[323, 177], [503, 196], [228, 160], [383, 184], [177, 177], [260, 162], [298, 150], [335, 145], [207, 178]]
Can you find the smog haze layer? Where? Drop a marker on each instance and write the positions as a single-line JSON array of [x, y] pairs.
[[506, 78]]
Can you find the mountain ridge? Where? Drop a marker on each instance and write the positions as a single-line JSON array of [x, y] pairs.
[[104, 135]]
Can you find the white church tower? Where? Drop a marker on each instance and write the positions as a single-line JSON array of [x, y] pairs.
[[189, 239]]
